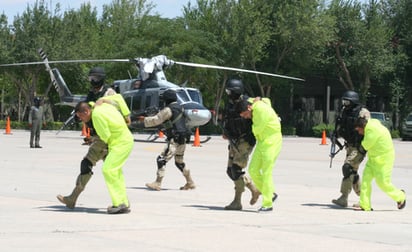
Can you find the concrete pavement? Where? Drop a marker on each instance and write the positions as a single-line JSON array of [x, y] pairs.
[[304, 219]]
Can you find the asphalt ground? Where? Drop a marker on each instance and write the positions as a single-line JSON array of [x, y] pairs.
[[304, 219]]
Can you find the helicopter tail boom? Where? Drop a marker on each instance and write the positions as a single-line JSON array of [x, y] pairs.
[[65, 95]]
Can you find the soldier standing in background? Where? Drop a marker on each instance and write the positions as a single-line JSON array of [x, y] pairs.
[[36, 120]]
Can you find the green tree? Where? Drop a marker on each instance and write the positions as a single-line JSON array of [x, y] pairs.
[[239, 31], [362, 49], [398, 16], [6, 38], [300, 31], [29, 31]]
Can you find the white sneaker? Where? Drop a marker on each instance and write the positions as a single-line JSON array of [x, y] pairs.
[[265, 209]]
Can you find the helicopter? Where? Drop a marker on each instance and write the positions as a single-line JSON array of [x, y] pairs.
[[147, 99]]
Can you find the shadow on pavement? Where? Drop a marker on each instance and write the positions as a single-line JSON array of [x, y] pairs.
[[216, 208], [59, 208], [327, 206]]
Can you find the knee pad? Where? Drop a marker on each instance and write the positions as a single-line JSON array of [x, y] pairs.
[[347, 170], [180, 166], [160, 162], [234, 172], [86, 166]]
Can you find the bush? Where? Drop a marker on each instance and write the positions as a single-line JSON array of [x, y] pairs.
[[25, 125], [395, 134], [318, 129], [288, 131]]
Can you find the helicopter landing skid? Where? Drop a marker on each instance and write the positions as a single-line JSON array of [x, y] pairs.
[[152, 138], [202, 141]]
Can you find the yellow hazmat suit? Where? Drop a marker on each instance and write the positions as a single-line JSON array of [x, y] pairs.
[[381, 155], [118, 101], [112, 129], [267, 130]]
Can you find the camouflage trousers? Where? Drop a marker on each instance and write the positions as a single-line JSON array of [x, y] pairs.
[[239, 153], [97, 150]]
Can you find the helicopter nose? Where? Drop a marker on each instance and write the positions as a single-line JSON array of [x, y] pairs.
[[197, 115]]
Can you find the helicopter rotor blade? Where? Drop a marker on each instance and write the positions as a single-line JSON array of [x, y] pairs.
[[236, 69], [65, 61], [134, 61]]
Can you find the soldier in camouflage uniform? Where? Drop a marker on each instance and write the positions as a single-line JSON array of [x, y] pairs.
[[171, 117], [345, 128], [241, 142]]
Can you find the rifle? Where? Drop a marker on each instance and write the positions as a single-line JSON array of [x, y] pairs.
[[71, 120], [334, 138], [231, 140], [333, 151]]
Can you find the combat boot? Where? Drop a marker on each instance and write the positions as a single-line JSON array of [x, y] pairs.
[[236, 204], [189, 182], [70, 200], [156, 185], [255, 192], [345, 189]]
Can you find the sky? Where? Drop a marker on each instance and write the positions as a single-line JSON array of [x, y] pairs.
[[166, 8]]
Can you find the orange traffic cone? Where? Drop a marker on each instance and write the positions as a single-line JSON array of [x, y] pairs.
[[8, 130], [196, 142], [323, 138], [161, 135]]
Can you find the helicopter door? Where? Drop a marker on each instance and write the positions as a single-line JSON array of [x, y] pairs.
[[151, 100], [134, 101], [139, 100]]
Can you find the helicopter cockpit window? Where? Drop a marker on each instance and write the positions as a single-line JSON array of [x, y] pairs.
[[182, 96], [195, 95]]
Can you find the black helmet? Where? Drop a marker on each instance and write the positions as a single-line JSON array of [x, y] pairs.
[[234, 88], [169, 96], [97, 76], [351, 96]]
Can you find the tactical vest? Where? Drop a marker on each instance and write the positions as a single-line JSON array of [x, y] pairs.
[[176, 125], [234, 125], [346, 125], [93, 97]]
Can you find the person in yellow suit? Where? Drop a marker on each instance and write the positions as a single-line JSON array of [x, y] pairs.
[[377, 141], [97, 150], [112, 129], [267, 130]]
